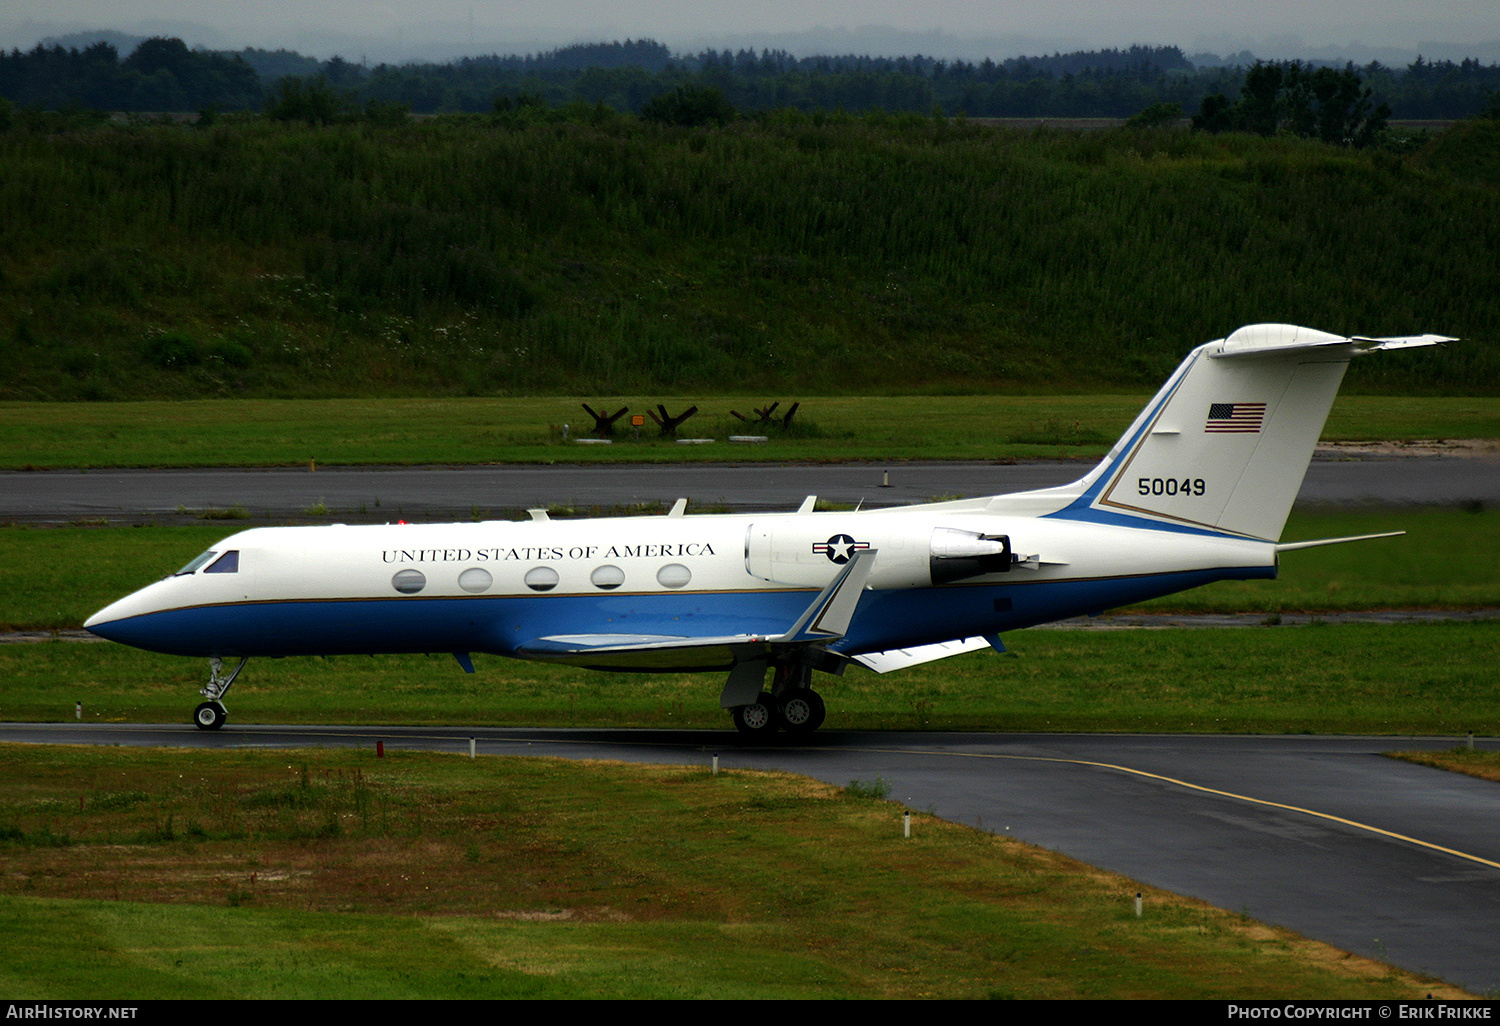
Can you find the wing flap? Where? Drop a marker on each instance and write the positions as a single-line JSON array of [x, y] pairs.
[[901, 658]]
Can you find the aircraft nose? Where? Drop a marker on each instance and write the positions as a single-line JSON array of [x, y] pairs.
[[100, 618], [145, 629], [113, 620], [101, 622]]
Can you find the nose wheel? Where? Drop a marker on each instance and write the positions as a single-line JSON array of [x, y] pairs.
[[210, 716]]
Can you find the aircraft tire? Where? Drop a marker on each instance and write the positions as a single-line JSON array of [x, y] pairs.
[[210, 716], [802, 711], [758, 719]]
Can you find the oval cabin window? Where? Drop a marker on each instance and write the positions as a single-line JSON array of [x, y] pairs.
[[607, 577], [541, 578], [475, 580], [409, 582], [674, 575]]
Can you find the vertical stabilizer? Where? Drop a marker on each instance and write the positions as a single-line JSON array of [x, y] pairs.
[[1225, 445]]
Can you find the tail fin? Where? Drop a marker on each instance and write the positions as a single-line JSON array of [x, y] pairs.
[[1226, 442]]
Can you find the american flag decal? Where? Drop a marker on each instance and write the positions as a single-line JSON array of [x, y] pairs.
[[1235, 418]]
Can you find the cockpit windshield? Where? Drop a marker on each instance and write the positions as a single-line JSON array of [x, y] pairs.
[[195, 564], [229, 563]]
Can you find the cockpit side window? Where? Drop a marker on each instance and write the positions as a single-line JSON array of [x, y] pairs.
[[192, 567], [229, 563]]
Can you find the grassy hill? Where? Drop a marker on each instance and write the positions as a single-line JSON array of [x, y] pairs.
[[471, 256]]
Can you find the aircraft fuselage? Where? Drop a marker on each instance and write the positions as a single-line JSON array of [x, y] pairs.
[[495, 586]]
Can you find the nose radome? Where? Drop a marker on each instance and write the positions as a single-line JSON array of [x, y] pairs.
[[132, 605], [103, 616]]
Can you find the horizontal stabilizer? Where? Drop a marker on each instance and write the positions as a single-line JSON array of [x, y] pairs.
[[1272, 339], [1319, 543], [1376, 345]]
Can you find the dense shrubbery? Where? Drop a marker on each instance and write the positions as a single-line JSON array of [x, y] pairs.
[[1290, 99], [588, 251], [690, 107]]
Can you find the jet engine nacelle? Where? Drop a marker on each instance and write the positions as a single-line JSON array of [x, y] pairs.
[[807, 552], [957, 554]]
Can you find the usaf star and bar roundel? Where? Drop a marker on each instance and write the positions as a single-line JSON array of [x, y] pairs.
[[839, 548]]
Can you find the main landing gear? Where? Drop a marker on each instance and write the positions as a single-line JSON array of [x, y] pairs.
[[211, 715], [791, 705]]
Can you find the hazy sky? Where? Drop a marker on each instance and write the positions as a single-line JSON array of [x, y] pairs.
[[392, 29]]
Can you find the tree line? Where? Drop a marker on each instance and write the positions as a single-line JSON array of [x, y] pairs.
[[160, 75], [163, 74]]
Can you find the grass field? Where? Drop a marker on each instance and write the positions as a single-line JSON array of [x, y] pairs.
[[1473, 762], [414, 431], [1351, 678], [140, 874]]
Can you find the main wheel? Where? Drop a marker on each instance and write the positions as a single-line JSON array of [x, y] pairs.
[[759, 718], [802, 711], [210, 716]]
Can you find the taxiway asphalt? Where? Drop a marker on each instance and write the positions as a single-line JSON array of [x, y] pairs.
[[367, 494]]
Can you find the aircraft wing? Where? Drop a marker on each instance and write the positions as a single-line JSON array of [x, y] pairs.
[[826, 619], [646, 652]]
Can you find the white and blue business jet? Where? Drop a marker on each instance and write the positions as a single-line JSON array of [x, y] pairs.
[[1197, 490]]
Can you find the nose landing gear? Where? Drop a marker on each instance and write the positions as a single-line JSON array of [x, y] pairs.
[[211, 715]]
